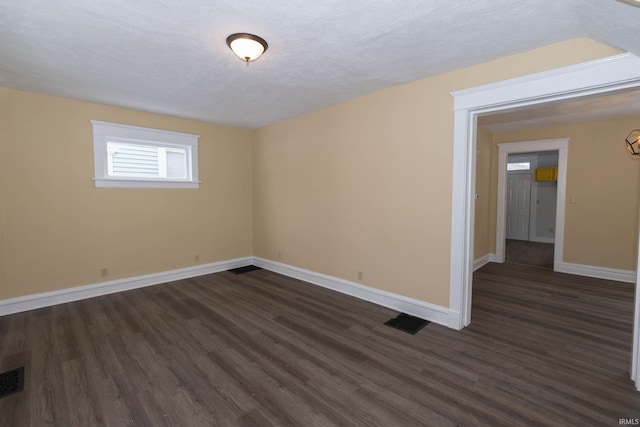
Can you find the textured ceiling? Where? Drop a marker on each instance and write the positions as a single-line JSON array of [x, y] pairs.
[[170, 56], [580, 111]]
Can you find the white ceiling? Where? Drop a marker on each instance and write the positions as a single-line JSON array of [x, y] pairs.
[[580, 111], [170, 56]]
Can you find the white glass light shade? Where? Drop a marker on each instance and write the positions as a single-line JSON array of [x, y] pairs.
[[247, 47]]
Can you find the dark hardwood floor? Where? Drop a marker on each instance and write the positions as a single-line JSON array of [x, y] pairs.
[[260, 349], [529, 253]]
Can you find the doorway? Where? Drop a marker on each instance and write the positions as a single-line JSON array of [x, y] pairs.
[[531, 199], [541, 152], [608, 75]]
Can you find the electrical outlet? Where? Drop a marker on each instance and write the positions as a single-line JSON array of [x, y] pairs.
[[279, 255], [196, 258], [104, 272], [359, 275]]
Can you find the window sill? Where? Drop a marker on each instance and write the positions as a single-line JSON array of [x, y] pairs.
[[143, 183]]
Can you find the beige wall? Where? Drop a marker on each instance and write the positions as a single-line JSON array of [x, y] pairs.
[[361, 186], [601, 228], [484, 241], [57, 230], [366, 185]]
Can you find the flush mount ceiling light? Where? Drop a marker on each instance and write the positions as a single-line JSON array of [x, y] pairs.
[[631, 2], [633, 142], [247, 47]]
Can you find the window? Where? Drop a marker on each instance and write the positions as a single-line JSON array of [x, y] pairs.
[[520, 166], [135, 157]]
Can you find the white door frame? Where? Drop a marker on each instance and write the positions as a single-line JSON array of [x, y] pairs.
[[635, 358], [562, 147], [589, 79]]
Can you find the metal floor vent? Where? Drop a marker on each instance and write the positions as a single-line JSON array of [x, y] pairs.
[[246, 269], [11, 382], [406, 323]]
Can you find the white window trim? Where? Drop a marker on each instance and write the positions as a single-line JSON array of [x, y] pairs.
[[105, 131]]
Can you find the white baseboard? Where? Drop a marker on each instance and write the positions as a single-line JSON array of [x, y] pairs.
[[597, 272], [455, 321], [424, 310], [481, 262], [30, 302]]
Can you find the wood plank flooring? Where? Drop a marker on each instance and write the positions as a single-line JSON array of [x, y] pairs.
[[260, 349], [529, 253]]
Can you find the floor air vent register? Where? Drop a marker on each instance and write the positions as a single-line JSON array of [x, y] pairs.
[[11, 382], [242, 270], [406, 323]]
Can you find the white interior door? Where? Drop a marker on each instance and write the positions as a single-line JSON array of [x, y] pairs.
[[518, 205]]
